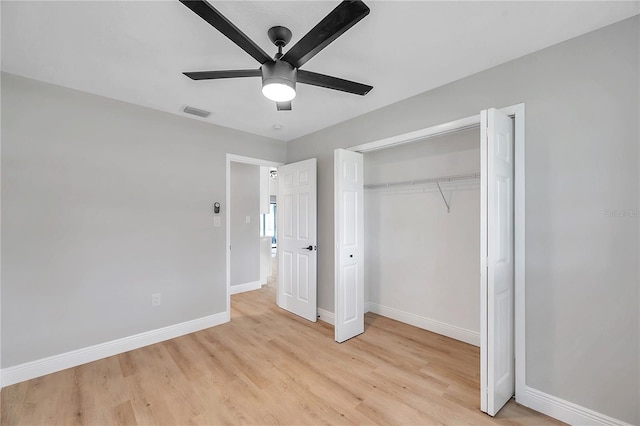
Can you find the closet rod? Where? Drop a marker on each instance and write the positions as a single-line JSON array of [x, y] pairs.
[[436, 180]]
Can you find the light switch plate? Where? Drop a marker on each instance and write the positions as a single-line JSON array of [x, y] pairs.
[[216, 221], [248, 219]]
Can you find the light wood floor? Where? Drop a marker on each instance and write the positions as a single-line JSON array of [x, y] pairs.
[[269, 367]]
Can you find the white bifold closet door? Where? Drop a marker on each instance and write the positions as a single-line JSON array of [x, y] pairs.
[[349, 241], [497, 360]]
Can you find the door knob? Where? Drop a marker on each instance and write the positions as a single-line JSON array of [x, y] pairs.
[[310, 248]]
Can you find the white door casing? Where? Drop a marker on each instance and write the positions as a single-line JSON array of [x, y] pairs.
[[497, 361], [297, 239], [349, 240]]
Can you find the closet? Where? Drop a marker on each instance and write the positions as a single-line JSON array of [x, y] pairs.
[[422, 233], [428, 244]]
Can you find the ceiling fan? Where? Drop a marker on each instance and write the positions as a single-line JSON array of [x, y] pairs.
[[281, 73]]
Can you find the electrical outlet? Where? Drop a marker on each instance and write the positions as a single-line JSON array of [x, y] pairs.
[[156, 299]]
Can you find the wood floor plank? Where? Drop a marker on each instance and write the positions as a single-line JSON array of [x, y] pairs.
[[123, 414], [12, 403], [268, 366]]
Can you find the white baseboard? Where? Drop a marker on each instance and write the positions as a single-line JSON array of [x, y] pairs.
[[326, 316], [565, 411], [241, 288], [40, 367], [455, 332]]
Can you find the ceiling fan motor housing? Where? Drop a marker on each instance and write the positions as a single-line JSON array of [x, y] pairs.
[[279, 72]]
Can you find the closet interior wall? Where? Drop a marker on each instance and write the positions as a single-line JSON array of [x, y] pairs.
[[422, 262]]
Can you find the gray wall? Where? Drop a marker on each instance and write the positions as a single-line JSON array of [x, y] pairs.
[[582, 164], [103, 204], [245, 237]]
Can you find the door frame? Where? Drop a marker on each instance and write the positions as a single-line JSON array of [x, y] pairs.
[[517, 112], [227, 209]]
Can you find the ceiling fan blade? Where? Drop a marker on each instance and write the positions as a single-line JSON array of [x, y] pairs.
[[339, 20], [222, 24], [284, 106], [335, 83], [212, 75]]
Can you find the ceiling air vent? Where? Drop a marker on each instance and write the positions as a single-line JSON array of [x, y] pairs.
[[195, 111]]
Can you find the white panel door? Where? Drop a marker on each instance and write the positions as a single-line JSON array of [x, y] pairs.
[[297, 255], [349, 238], [497, 358]]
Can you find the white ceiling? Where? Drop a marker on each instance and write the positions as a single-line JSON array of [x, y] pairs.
[[137, 51]]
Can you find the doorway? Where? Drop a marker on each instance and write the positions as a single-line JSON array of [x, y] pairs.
[[242, 220], [503, 212], [295, 234]]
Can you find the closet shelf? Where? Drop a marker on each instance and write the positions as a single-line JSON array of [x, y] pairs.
[[435, 180]]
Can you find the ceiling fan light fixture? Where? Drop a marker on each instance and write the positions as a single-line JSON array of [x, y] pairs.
[[279, 81], [279, 92]]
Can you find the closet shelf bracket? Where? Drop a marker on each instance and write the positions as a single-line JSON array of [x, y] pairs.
[[443, 198]]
